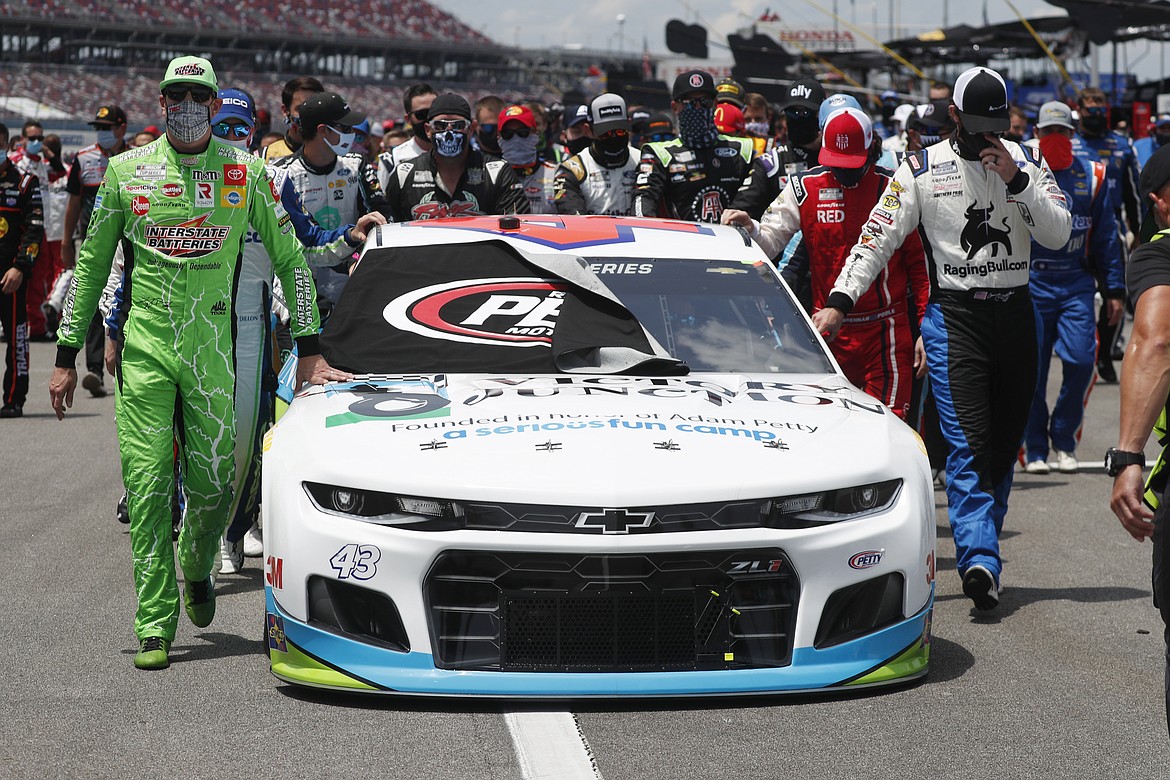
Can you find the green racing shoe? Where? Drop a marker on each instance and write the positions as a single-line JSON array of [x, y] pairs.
[[199, 601], [153, 653]]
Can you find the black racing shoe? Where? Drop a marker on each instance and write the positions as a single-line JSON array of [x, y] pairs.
[[123, 510], [1106, 372], [8, 411], [979, 586]]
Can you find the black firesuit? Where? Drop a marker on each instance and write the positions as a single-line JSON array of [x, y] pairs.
[[488, 186], [695, 185]]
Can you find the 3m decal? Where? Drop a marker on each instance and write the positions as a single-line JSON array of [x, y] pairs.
[[519, 312], [358, 561], [274, 572]]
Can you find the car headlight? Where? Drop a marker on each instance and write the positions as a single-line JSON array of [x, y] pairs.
[[813, 510], [373, 506]]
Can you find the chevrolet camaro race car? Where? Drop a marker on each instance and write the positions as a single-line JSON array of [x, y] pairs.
[[589, 456]]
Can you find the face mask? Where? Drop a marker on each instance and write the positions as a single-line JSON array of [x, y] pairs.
[[343, 144], [759, 129], [241, 144], [577, 145], [802, 131], [1161, 139], [449, 143], [106, 139], [696, 126], [1095, 120], [420, 130], [488, 142], [971, 144], [519, 151], [928, 140], [613, 151], [34, 147], [1009, 136], [1057, 150], [850, 177], [188, 122]]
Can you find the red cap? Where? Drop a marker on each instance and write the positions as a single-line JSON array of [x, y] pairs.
[[153, 130], [521, 114], [728, 119], [846, 139]]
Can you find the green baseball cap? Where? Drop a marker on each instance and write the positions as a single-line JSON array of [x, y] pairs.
[[189, 70]]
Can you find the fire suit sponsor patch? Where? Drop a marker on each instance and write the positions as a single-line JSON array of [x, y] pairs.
[[191, 238], [475, 177], [203, 194], [943, 168], [676, 168], [830, 216], [231, 197], [172, 189], [896, 188], [891, 202], [725, 151], [984, 269], [140, 205], [139, 188], [883, 216], [1027, 215], [427, 177], [151, 171], [204, 175], [687, 156], [235, 174], [873, 227], [831, 193], [798, 189]]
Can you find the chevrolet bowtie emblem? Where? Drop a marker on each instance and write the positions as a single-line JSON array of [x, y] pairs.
[[614, 521]]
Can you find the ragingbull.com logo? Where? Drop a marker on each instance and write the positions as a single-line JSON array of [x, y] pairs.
[[512, 312]]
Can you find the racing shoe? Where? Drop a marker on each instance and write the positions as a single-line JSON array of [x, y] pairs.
[[231, 556], [10, 411], [1106, 371], [1038, 466], [93, 383], [1066, 462], [123, 510], [199, 601], [253, 542], [979, 586], [153, 653]]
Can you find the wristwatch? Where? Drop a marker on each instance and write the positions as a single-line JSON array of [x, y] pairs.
[[1116, 460]]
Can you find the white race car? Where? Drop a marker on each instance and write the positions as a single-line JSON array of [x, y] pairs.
[[589, 456]]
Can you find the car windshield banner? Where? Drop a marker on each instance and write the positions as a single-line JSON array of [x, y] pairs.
[[484, 308]]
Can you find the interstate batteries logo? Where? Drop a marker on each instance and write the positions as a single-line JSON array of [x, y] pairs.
[[192, 238], [517, 312]]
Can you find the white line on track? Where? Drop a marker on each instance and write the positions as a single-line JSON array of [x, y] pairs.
[[550, 746]]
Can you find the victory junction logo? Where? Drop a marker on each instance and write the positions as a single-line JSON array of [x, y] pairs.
[[187, 239]]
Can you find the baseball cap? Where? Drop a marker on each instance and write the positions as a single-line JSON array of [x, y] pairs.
[[448, 103], [805, 93], [846, 140], [902, 113], [659, 124], [236, 105], [831, 104], [728, 118], [608, 112], [638, 119], [1055, 113], [109, 115], [1155, 175], [1162, 121], [153, 130], [935, 114], [981, 98], [730, 91], [189, 70], [693, 81], [521, 114], [575, 115], [328, 108]]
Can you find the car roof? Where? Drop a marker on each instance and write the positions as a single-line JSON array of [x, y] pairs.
[[591, 236]]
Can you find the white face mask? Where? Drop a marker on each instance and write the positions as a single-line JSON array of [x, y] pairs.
[[241, 144], [343, 145], [759, 129], [519, 151], [106, 139], [188, 121]]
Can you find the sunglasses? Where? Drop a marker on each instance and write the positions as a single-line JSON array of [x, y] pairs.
[[176, 92], [420, 115], [614, 134], [523, 132], [34, 138], [657, 137], [697, 102], [442, 125], [488, 129], [225, 130]]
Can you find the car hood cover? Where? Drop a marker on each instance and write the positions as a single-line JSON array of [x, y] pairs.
[[592, 440]]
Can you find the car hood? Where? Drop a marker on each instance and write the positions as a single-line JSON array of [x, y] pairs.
[[598, 440]]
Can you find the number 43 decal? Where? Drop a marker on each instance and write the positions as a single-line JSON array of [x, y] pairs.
[[356, 560]]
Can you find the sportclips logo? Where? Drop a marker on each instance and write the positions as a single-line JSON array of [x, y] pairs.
[[515, 312], [187, 239]]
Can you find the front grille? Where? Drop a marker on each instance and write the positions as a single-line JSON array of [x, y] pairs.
[[559, 612]]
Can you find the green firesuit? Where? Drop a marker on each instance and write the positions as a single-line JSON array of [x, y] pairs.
[[184, 219]]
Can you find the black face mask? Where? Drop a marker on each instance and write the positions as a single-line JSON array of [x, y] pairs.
[[1159, 138], [420, 130], [971, 144], [1016, 137], [488, 142], [802, 131], [577, 145], [613, 151], [850, 177], [1094, 121]]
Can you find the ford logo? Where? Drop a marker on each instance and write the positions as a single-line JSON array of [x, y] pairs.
[[867, 559]]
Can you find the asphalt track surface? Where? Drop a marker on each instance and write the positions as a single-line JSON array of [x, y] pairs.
[[1064, 680]]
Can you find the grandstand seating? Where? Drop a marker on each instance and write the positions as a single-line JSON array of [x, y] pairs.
[[415, 20]]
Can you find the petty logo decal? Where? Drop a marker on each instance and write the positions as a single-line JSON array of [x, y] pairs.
[[511, 312], [192, 238], [866, 560]]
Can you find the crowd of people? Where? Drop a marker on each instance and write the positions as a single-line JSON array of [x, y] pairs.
[[946, 249]]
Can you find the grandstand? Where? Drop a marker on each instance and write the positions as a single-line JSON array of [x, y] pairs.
[[72, 55]]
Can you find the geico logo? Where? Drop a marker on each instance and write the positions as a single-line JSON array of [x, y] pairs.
[[830, 215]]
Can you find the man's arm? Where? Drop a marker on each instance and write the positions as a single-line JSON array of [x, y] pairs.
[[72, 215], [372, 195], [1129, 190], [649, 185], [1105, 253], [781, 220], [760, 188], [567, 195], [1145, 382], [511, 199], [93, 268], [1049, 219]]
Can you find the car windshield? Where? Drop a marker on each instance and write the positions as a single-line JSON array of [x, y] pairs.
[[716, 315]]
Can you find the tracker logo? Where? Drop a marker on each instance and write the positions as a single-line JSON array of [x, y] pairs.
[[508, 312], [172, 189], [140, 205], [235, 173], [191, 238], [756, 567]]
